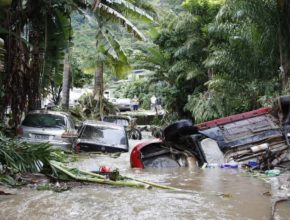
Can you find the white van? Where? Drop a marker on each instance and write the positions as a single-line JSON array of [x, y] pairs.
[[123, 104]]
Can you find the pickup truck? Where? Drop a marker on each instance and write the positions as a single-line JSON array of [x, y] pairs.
[[260, 135]]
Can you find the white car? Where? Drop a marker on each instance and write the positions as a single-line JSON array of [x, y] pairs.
[[56, 128], [123, 104]]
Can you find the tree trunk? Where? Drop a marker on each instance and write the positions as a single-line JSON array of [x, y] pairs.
[[15, 80], [2, 68], [99, 87], [284, 41], [34, 100], [66, 83]]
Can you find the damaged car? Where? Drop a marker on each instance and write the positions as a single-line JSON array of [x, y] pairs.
[[260, 136], [99, 136], [54, 127]]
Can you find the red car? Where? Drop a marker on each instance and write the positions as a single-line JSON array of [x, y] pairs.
[[259, 136]]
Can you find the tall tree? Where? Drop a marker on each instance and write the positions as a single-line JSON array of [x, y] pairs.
[[283, 7], [182, 46], [244, 59], [110, 52], [66, 82], [34, 41]]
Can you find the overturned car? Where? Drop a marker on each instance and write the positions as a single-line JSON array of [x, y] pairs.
[[260, 136]]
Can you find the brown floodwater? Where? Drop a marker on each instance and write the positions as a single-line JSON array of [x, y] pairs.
[[212, 194]]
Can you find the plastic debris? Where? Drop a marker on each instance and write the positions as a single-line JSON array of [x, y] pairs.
[[104, 169], [204, 166], [253, 163], [212, 165], [260, 147], [274, 172], [232, 165]]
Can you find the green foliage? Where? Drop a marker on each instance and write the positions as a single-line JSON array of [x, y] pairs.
[[96, 41], [217, 58], [177, 61], [36, 33], [8, 180], [190, 4], [222, 99], [244, 45], [243, 60], [79, 78], [143, 89], [17, 156], [210, 58], [88, 108]]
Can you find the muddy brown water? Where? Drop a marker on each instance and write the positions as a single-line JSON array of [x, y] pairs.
[[215, 194]]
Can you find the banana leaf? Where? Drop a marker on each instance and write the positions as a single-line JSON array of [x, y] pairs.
[[82, 175]]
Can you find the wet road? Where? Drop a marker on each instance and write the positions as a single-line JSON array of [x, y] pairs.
[[216, 194]]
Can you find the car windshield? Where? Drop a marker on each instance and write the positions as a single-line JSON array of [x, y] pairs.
[[44, 120], [105, 135], [118, 121]]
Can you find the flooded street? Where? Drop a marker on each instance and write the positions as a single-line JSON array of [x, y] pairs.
[[216, 194]]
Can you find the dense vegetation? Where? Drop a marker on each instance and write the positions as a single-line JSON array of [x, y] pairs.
[[216, 58], [209, 58], [38, 38]]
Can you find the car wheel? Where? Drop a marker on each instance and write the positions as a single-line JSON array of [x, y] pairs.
[[178, 129], [135, 134]]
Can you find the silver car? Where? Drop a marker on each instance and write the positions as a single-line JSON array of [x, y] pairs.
[[56, 128]]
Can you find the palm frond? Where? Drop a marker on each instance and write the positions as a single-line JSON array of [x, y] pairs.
[[115, 15], [104, 41], [132, 8], [16, 156]]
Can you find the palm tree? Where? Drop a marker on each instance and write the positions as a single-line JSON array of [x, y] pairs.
[[266, 24], [66, 82], [284, 40], [34, 41], [110, 52]]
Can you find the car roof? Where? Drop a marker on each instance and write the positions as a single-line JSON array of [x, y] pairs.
[[48, 112], [102, 124]]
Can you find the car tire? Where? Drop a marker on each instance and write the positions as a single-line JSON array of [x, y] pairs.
[[178, 129], [134, 134]]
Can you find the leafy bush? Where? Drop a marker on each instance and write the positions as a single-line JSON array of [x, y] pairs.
[[17, 156], [88, 107]]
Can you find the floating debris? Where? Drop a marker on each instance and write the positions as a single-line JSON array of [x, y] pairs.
[[114, 178]]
